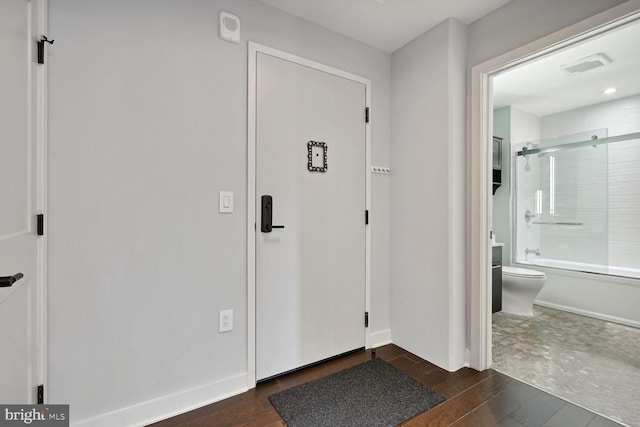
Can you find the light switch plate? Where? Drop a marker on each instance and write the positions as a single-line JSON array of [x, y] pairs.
[[225, 202]]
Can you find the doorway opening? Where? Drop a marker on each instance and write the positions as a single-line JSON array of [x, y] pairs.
[[527, 149]]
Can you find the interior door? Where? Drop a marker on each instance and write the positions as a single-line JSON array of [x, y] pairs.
[[19, 297], [310, 274]]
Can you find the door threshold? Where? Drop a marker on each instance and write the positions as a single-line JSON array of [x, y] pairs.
[[337, 356]]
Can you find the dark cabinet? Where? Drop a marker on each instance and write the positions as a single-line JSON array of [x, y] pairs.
[[496, 279]]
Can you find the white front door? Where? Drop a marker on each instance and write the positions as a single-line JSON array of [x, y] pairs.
[[310, 275], [20, 358]]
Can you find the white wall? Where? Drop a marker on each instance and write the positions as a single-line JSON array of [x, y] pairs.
[[147, 114], [522, 21], [427, 195]]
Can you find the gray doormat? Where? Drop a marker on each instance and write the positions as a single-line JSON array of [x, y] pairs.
[[371, 394]]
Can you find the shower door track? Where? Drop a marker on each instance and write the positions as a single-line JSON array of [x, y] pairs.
[[593, 142]]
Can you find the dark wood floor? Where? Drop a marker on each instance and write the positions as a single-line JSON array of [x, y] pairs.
[[473, 398]]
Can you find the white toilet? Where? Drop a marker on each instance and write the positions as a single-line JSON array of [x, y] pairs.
[[520, 286]]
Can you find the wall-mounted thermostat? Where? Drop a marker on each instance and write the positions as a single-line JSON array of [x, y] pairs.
[[229, 27]]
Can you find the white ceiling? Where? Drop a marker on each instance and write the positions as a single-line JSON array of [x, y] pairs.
[[537, 87], [385, 24], [541, 88]]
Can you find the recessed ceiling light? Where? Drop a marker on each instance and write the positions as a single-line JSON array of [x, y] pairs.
[[610, 91]]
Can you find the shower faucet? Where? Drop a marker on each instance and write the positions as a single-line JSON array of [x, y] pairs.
[[528, 215], [528, 251]]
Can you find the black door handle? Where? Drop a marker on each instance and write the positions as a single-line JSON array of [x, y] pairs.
[[7, 281], [267, 215]]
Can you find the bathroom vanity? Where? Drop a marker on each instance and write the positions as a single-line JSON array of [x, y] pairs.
[[496, 277]]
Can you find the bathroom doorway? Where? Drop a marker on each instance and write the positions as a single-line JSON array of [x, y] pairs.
[[568, 125], [480, 133]]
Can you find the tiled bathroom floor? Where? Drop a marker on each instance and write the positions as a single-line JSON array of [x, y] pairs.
[[590, 362]]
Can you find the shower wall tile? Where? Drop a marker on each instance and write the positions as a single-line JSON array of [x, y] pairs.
[[590, 198], [525, 127]]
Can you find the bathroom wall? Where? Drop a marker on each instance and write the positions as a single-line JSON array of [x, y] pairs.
[[501, 221], [518, 127]]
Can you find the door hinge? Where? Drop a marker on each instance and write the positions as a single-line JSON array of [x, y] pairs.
[[366, 319], [40, 225], [40, 394], [366, 217], [41, 43], [366, 115]]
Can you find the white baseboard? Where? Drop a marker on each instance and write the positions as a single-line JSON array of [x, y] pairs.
[[168, 406], [614, 319], [380, 338]]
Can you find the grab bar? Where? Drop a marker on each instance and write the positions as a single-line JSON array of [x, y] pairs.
[[556, 223]]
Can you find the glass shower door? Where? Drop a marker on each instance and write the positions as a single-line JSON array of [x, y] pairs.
[[560, 202]]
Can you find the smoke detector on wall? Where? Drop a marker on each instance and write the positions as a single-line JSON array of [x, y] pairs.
[[586, 64]]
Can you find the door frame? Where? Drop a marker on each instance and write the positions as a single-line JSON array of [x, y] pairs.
[[254, 49], [39, 19], [37, 135], [480, 205]]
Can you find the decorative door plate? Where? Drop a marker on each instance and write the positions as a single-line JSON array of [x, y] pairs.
[[317, 156]]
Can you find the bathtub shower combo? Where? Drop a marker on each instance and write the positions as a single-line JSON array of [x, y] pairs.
[[575, 206], [575, 202]]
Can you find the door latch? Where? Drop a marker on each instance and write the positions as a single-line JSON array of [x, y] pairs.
[[7, 281], [267, 215]]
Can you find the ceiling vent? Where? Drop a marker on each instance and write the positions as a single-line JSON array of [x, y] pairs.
[[586, 64]]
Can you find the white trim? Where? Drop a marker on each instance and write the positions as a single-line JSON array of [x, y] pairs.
[[254, 49], [380, 338], [39, 21], [164, 407], [480, 224], [480, 206], [251, 217], [588, 313], [368, 340]]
